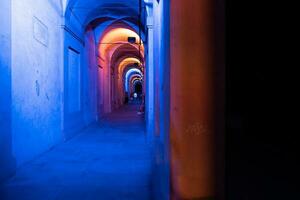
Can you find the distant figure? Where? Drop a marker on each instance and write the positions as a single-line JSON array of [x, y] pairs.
[[135, 95]]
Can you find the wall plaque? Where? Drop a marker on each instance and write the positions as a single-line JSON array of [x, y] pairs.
[[40, 31]]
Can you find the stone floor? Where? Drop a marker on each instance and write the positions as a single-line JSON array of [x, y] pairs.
[[106, 161]]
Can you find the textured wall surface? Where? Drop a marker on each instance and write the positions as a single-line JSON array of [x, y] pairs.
[[49, 102], [36, 77], [7, 161]]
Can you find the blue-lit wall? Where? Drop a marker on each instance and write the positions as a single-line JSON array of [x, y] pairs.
[[83, 44], [149, 73], [161, 93], [7, 161], [40, 113], [150, 79], [36, 77], [73, 119], [91, 79]]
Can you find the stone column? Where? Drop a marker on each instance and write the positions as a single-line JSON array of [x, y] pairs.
[[192, 74]]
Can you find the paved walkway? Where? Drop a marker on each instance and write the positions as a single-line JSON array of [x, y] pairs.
[[107, 161]]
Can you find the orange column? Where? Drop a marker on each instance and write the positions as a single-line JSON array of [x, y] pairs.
[[192, 79]]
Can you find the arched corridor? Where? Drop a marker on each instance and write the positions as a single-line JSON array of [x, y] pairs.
[[111, 99]]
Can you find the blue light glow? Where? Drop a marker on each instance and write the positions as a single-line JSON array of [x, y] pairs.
[[129, 73]]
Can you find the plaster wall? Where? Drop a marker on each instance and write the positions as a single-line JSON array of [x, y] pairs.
[[36, 80], [90, 76], [7, 161]]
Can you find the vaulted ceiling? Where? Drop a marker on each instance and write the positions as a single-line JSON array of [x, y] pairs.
[[85, 11]]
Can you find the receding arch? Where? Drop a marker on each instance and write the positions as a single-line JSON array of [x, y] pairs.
[[130, 74], [112, 48]]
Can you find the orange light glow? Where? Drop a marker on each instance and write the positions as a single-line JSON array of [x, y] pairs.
[[116, 52], [135, 78], [126, 62], [116, 37], [119, 34]]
